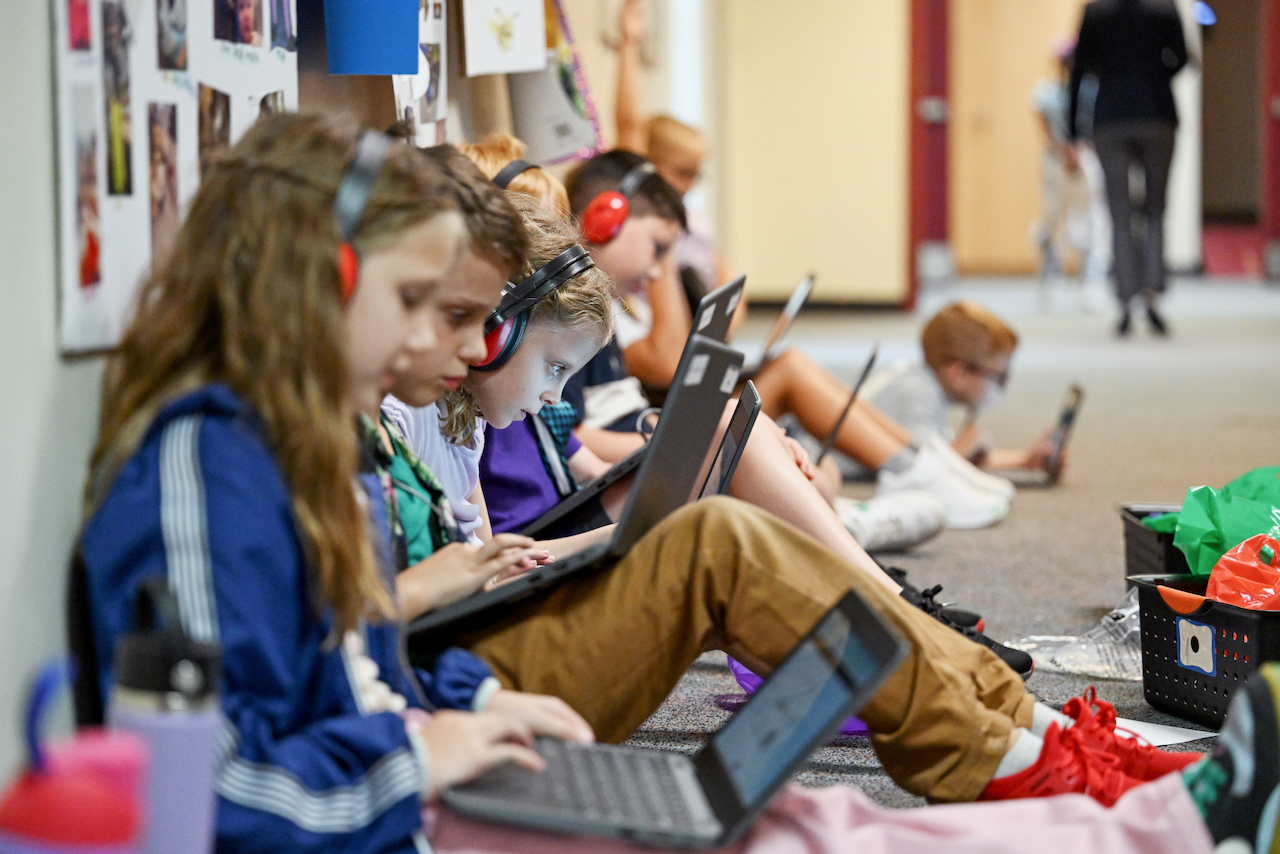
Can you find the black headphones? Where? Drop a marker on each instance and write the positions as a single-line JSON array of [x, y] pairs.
[[350, 200], [511, 170], [504, 330]]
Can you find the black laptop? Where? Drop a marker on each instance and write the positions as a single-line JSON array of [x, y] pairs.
[[712, 321], [666, 481], [720, 472], [669, 799]]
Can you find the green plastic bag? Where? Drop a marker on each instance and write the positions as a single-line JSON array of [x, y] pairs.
[[1214, 521]]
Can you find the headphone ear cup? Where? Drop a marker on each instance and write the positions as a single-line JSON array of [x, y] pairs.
[[604, 216], [348, 270], [501, 342]]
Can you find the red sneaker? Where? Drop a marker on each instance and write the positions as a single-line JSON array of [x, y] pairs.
[[1096, 727], [1065, 765]]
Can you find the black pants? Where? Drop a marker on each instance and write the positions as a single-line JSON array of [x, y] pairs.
[[1137, 240]]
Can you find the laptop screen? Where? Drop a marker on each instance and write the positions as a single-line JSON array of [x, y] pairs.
[[793, 707]]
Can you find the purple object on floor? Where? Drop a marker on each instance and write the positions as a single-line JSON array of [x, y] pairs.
[[750, 682]]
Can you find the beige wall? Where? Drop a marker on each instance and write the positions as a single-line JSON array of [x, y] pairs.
[[812, 143], [998, 50]]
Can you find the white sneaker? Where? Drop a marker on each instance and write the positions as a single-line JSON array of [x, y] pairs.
[[894, 521], [972, 475], [966, 505]]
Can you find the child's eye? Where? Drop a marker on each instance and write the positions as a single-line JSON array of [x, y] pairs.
[[411, 297], [556, 370]]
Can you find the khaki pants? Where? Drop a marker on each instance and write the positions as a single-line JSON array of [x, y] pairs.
[[721, 574]]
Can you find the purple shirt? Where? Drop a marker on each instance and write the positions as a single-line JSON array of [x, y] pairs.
[[517, 488]]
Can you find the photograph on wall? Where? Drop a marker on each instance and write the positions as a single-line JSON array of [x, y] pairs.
[[284, 30], [171, 34], [115, 84], [215, 121], [88, 234], [163, 126], [78, 28], [238, 21], [503, 36], [421, 99], [270, 103]]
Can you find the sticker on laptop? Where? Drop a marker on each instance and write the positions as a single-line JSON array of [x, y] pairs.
[[1195, 647], [730, 380], [697, 369], [708, 314], [733, 301]]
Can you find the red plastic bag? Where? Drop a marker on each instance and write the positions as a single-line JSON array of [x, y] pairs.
[[1247, 576]]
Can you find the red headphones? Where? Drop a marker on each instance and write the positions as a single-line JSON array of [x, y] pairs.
[[504, 330], [351, 199], [604, 215]]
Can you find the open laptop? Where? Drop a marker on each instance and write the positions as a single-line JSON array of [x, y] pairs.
[[781, 326], [713, 315], [1062, 433], [669, 799], [665, 481], [732, 443], [829, 442]]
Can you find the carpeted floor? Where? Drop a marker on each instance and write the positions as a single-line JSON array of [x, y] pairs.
[[1160, 415]]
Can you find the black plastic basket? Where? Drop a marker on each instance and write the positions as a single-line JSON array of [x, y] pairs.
[[1196, 652], [1147, 552]]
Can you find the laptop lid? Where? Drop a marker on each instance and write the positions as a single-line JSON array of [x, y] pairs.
[[829, 442], [782, 325], [732, 443], [830, 675], [1062, 432], [708, 374], [715, 310]]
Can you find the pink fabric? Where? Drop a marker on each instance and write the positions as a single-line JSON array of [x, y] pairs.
[[1156, 818]]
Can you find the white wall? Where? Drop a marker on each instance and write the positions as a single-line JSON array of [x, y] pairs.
[[48, 406]]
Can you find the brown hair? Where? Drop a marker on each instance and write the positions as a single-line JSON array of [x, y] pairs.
[[585, 302], [249, 297], [493, 225], [667, 134], [497, 150], [965, 332]]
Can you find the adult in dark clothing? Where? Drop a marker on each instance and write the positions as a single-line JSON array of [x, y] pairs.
[[1133, 48]]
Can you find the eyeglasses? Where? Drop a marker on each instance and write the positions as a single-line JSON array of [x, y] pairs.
[[1000, 378]]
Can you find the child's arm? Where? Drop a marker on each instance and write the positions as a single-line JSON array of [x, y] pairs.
[[629, 104], [654, 358], [608, 445]]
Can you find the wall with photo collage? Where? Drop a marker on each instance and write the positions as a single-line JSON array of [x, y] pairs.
[[144, 89]]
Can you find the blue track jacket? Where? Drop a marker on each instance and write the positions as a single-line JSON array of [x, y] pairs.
[[301, 767]]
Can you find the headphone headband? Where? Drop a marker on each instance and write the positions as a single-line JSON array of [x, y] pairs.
[[357, 182], [523, 295], [635, 178], [510, 171]]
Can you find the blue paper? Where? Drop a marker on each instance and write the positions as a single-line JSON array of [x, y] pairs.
[[371, 36]]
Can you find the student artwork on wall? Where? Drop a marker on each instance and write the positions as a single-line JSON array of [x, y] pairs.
[[145, 89], [422, 99], [552, 110], [503, 36]]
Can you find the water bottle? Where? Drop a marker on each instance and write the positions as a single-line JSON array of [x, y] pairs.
[[165, 690]]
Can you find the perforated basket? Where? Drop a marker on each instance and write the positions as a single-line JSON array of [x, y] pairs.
[[1147, 552], [1196, 652]]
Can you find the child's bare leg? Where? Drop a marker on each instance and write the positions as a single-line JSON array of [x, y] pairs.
[[795, 383]]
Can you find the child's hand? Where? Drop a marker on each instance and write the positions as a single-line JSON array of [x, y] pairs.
[[460, 569], [1038, 454], [631, 21], [463, 745], [803, 461], [544, 715]]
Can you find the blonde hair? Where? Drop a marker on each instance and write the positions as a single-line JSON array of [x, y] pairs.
[[496, 150], [583, 303], [965, 332], [666, 135], [250, 297]]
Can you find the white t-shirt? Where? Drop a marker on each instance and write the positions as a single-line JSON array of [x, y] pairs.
[[457, 467]]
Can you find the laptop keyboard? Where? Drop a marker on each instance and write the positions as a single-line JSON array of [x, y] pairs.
[[632, 787]]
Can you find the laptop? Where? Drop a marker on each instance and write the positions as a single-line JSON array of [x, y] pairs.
[[1062, 433], [733, 442], [669, 799], [773, 341], [665, 481], [829, 442], [714, 313]]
